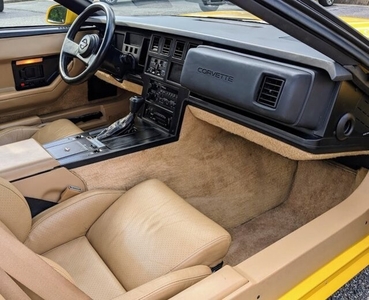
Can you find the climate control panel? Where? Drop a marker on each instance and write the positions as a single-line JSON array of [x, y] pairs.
[[157, 66]]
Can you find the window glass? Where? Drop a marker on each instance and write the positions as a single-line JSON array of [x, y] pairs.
[[23, 13], [31, 13]]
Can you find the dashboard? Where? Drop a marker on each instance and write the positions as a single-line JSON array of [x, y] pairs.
[[250, 73]]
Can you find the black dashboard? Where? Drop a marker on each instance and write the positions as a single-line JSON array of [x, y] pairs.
[[250, 73]]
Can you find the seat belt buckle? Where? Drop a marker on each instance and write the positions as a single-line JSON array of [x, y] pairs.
[[69, 192]]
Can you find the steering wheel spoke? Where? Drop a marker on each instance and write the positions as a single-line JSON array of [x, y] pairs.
[[86, 60], [70, 47]]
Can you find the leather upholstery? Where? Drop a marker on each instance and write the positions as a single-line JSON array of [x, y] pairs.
[[68, 220], [168, 285], [14, 210], [56, 267], [50, 132], [87, 269], [16, 133], [138, 225], [55, 131], [147, 243]]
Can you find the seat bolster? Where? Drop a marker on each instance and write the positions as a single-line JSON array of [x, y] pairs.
[[15, 212], [68, 220], [167, 285], [16, 133], [56, 130]]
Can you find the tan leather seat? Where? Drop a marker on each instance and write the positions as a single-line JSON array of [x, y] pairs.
[[50, 132], [146, 243]]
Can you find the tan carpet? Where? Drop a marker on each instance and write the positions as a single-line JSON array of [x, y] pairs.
[[226, 177], [318, 187], [232, 181]]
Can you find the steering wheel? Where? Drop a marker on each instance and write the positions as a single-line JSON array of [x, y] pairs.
[[92, 49]]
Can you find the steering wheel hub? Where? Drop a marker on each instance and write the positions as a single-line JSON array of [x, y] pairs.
[[88, 45]]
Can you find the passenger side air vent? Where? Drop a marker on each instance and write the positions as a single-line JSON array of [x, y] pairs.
[[166, 46], [270, 91], [179, 49], [155, 44], [361, 114]]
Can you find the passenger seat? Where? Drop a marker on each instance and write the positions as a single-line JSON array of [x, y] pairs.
[[146, 243]]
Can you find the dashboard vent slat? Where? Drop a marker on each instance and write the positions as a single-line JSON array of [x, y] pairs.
[[155, 44], [179, 50], [166, 46], [270, 91]]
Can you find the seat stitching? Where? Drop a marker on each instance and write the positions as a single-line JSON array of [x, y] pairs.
[[219, 239]]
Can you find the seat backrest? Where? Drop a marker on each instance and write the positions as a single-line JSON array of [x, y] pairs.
[[151, 231], [16, 133], [14, 212], [56, 130]]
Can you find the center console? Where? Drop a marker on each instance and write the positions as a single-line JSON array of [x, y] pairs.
[[158, 120], [23, 159], [84, 148]]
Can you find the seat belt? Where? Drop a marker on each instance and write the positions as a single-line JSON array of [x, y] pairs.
[[9, 289], [25, 266]]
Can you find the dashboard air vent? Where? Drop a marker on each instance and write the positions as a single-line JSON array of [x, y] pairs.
[[178, 51], [166, 46], [155, 44], [270, 91]]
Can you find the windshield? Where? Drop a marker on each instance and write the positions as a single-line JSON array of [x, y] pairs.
[[171, 7], [29, 13]]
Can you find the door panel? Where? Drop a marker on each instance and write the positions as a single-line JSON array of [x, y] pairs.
[[24, 48], [58, 99]]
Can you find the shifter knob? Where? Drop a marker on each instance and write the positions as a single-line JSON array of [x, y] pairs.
[[135, 103]]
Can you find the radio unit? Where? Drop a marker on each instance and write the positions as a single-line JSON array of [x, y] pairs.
[[159, 116], [162, 95]]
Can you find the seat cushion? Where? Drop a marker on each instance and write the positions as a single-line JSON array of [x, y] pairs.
[[151, 231], [87, 269]]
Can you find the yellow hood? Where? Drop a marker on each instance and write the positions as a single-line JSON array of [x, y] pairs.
[[360, 24], [226, 14]]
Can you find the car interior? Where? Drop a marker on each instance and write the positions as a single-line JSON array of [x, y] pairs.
[[143, 158]]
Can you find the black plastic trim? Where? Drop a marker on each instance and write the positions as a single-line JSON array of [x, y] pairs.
[[305, 142], [31, 31]]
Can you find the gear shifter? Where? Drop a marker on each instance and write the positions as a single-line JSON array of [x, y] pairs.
[[124, 125]]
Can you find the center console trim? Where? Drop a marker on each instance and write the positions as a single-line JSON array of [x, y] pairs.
[[25, 158]]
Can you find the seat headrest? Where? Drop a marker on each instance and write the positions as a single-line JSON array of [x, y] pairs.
[[14, 210]]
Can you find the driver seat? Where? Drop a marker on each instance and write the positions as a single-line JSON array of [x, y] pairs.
[[47, 133], [146, 243]]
